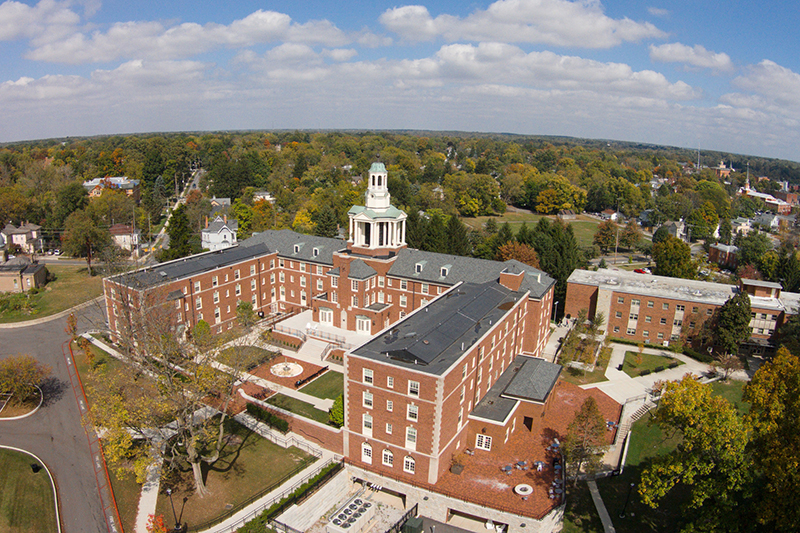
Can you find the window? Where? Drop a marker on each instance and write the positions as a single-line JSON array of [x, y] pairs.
[[424, 289], [634, 302], [665, 306], [650, 303], [444, 272], [709, 312], [390, 382], [695, 309], [645, 333], [660, 335], [633, 316], [413, 388], [302, 267], [198, 303], [620, 300], [677, 322], [483, 442], [236, 274], [409, 465], [367, 399], [412, 412], [648, 319], [216, 315], [389, 405], [680, 307], [616, 329], [272, 278], [282, 277], [380, 281], [319, 270], [238, 289], [367, 376], [319, 284], [366, 453], [252, 284], [388, 458], [252, 270], [403, 284], [403, 300], [411, 438], [464, 371], [691, 325], [315, 252], [281, 263], [214, 281], [196, 285], [216, 297], [366, 421], [302, 281], [388, 429], [355, 301], [619, 314], [631, 331], [297, 248], [334, 282], [354, 284], [463, 390], [418, 268], [663, 321]]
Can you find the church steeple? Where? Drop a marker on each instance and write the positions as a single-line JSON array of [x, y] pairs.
[[378, 227]]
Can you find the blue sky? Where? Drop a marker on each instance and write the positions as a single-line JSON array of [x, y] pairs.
[[699, 74]]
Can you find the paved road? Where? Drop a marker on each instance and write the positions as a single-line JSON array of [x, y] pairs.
[[55, 433]]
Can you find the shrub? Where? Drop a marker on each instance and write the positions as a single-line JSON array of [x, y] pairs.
[[658, 369], [698, 356], [268, 417], [644, 372], [673, 364]]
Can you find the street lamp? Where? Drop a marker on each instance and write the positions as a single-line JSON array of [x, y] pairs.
[[630, 489], [174, 516], [555, 313]]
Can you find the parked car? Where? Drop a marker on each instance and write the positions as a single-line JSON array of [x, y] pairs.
[[642, 270]]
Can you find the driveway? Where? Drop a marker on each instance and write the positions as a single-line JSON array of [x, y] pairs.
[[55, 433]]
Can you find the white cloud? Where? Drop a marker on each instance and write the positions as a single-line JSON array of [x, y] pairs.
[[779, 86], [152, 40], [694, 56], [340, 54], [555, 22], [658, 11], [19, 20]]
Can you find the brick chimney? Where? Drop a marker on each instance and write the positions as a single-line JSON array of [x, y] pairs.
[[206, 221]]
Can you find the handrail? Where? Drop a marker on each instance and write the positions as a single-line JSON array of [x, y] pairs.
[[290, 331]]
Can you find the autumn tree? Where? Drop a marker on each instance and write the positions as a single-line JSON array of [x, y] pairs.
[[174, 399], [606, 235], [20, 375], [630, 235], [584, 444], [521, 252], [673, 258], [710, 461], [84, 238], [774, 397]]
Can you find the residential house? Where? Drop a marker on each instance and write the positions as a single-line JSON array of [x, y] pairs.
[[723, 255], [96, 186], [20, 274], [219, 234], [28, 237], [125, 237]]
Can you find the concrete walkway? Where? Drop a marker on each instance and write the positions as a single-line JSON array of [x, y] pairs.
[[608, 527], [61, 314]]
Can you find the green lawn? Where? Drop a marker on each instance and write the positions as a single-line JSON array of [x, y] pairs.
[[580, 516], [299, 407], [72, 286], [248, 465], [584, 227], [329, 385], [633, 367], [26, 499], [251, 356]]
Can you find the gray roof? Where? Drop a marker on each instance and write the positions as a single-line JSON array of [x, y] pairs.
[[760, 283], [434, 337], [360, 270], [219, 223], [467, 269], [284, 242], [526, 379]]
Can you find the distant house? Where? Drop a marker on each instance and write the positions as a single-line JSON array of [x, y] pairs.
[[259, 196], [767, 221], [646, 218], [723, 255], [219, 204], [788, 197], [610, 214], [27, 236], [722, 171], [566, 214], [219, 234], [96, 186], [20, 274], [125, 236], [741, 225], [676, 229]]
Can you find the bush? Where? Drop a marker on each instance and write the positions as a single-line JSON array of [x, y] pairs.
[[336, 414], [697, 356], [268, 417], [673, 364], [670, 348], [658, 369], [644, 372]]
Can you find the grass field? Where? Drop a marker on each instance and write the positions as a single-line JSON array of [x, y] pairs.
[[26, 498], [328, 385], [299, 407], [247, 465], [650, 362], [583, 226], [253, 355], [72, 286], [577, 376]]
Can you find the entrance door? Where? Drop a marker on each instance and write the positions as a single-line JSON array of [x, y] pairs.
[[326, 316], [363, 325]]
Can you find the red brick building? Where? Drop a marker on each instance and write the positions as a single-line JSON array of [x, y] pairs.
[[657, 309]]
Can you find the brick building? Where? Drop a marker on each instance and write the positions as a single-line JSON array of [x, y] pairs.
[[724, 255], [661, 310]]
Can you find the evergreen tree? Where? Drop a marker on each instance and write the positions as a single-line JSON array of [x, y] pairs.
[[584, 444], [733, 323], [416, 230], [435, 238], [491, 226], [504, 234], [456, 237], [180, 235], [326, 223]]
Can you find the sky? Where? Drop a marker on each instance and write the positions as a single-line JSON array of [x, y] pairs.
[[700, 74]]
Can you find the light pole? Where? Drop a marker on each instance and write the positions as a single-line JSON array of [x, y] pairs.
[[555, 313], [174, 516], [624, 507]]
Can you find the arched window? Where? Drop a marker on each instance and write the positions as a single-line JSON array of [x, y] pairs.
[[388, 458], [366, 453], [409, 465]]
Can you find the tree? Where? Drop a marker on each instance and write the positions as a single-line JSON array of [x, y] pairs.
[[774, 397], [751, 247], [584, 443], [673, 258], [336, 414], [631, 235], [732, 324], [457, 238], [606, 235], [83, 238], [20, 375], [521, 252], [180, 235], [660, 235], [710, 460], [326, 223], [69, 198], [174, 399]]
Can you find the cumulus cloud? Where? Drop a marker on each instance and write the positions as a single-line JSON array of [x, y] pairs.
[[779, 86], [48, 17], [657, 11], [152, 40], [555, 22], [693, 56]]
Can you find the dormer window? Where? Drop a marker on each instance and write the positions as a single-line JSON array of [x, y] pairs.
[[315, 252], [444, 272], [418, 268], [297, 248]]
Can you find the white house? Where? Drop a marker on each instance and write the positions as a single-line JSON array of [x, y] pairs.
[[125, 236], [219, 234], [27, 237]]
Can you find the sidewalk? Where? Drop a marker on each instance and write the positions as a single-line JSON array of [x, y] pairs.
[[60, 314]]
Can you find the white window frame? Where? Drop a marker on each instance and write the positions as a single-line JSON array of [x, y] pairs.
[[409, 465], [367, 400], [368, 376], [366, 453], [412, 412], [413, 388], [387, 458], [483, 442]]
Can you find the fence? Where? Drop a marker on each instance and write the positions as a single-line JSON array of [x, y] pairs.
[[290, 331], [398, 526], [264, 505], [330, 337]]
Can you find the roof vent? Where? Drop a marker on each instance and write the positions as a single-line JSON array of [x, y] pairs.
[[163, 274]]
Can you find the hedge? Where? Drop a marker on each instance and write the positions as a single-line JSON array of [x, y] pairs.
[[646, 345], [268, 417], [698, 356]]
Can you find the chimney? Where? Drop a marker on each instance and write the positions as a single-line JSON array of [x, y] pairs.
[[206, 221], [225, 218]]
